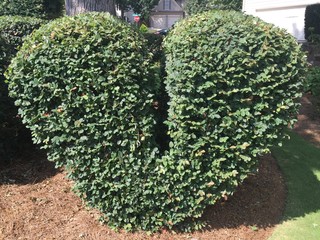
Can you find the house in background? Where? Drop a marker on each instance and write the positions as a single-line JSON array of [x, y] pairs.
[[164, 15], [288, 14]]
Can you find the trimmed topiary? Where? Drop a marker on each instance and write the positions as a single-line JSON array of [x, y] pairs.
[[86, 90], [13, 29], [234, 83], [34, 8]]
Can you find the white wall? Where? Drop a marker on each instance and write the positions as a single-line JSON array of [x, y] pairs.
[[288, 14], [165, 18]]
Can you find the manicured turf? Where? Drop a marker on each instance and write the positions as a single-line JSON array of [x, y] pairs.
[[300, 164]]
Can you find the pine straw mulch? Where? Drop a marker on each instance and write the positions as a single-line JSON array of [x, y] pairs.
[[36, 201]]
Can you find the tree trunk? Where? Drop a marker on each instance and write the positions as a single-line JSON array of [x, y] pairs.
[[74, 7]]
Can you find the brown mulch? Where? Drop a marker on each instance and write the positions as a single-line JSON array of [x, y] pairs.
[[36, 202]]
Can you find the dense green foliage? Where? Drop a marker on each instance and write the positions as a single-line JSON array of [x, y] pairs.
[[234, 82], [34, 8], [198, 6], [312, 81], [84, 89], [87, 89], [312, 19], [154, 45], [13, 29]]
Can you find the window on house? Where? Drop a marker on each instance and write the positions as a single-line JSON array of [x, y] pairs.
[[167, 4]]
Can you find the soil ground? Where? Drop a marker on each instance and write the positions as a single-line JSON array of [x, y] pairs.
[[36, 201]]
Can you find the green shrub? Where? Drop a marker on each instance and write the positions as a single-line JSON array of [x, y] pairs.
[[311, 25], [312, 82], [84, 90], [34, 8], [234, 82], [154, 44], [13, 29], [85, 87]]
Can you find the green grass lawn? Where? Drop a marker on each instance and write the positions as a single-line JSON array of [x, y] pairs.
[[300, 164]]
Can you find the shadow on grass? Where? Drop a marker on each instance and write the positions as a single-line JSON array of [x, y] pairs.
[[300, 163]]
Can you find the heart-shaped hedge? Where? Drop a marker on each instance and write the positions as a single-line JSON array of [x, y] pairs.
[[85, 87]]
